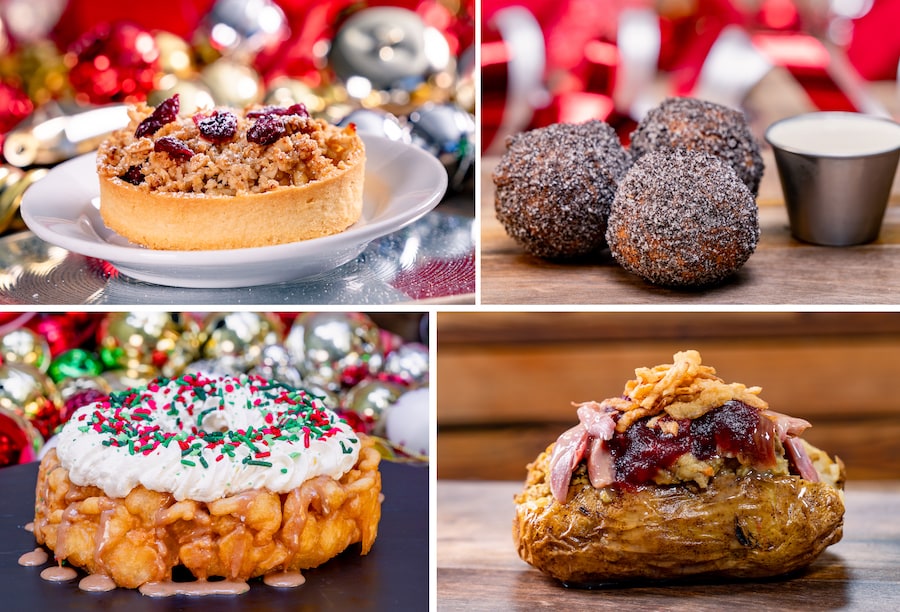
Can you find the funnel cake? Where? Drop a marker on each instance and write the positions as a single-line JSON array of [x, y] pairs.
[[682, 475], [225, 179], [230, 477]]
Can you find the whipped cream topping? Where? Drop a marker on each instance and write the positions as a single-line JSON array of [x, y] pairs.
[[204, 438]]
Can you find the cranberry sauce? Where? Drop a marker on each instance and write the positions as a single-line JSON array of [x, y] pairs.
[[735, 430], [732, 430], [641, 451]]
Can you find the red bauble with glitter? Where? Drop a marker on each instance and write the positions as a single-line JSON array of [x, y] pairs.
[[14, 107], [355, 421], [19, 441], [80, 398], [65, 330], [114, 62]]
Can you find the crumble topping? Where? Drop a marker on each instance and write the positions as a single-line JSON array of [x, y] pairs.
[[177, 158]]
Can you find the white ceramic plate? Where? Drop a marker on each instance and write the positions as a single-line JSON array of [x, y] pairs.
[[402, 184]]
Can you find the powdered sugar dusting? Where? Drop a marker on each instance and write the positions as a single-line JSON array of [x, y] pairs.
[[555, 186], [682, 218]]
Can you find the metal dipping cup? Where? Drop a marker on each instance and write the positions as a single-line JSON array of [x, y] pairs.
[[836, 171]]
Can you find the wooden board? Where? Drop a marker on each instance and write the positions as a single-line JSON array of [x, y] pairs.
[[783, 270], [478, 567]]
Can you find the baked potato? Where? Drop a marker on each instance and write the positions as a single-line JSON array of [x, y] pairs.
[[754, 501]]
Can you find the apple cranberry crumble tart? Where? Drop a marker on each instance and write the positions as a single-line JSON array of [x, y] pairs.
[[224, 179]]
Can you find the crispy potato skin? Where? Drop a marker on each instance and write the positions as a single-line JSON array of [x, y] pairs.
[[747, 526]]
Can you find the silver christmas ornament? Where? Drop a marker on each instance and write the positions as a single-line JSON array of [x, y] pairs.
[[406, 422], [378, 123], [389, 47], [369, 400], [243, 28], [409, 364], [212, 368], [335, 349], [277, 364], [447, 132]]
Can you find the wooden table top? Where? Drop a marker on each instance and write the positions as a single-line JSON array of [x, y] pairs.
[[478, 567], [783, 270]]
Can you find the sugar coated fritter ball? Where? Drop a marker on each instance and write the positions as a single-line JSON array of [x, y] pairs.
[[555, 185], [682, 219], [698, 125]]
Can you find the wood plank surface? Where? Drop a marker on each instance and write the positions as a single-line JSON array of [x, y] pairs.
[[818, 378], [478, 567], [783, 270], [506, 380]]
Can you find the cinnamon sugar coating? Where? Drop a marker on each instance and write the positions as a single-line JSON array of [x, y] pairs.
[[698, 125], [555, 186], [682, 219]]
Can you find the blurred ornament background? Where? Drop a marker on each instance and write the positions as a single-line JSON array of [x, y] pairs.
[[372, 369], [402, 69], [571, 60]]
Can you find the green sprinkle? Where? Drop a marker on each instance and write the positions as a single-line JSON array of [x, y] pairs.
[[203, 414], [203, 461], [284, 470], [188, 462], [260, 463]]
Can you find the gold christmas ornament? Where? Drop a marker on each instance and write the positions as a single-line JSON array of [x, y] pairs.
[[192, 92], [29, 392], [370, 399], [285, 91], [232, 83], [237, 339], [13, 183], [25, 346], [175, 55], [43, 71], [138, 343]]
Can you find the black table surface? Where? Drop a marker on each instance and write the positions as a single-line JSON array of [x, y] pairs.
[[393, 576]]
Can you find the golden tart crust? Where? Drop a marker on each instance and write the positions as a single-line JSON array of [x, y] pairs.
[[236, 193]]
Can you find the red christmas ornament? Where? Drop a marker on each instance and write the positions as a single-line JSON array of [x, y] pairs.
[[80, 398], [355, 421], [11, 321], [19, 442], [66, 330], [390, 341], [114, 62], [14, 107], [355, 373]]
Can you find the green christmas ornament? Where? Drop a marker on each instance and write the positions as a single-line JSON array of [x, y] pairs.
[[75, 363]]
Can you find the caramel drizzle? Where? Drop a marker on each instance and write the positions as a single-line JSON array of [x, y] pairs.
[[320, 495]]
